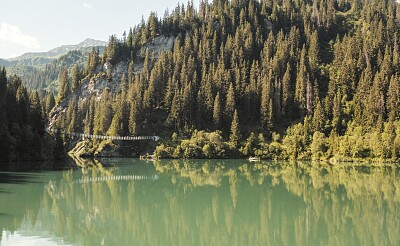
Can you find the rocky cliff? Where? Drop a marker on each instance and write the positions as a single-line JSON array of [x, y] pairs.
[[96, 84]]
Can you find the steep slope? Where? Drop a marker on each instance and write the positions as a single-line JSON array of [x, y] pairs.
[[94, 86], [104, 80], [276, 79]]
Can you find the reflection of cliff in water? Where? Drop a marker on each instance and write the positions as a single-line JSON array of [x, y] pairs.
[[216, 203]]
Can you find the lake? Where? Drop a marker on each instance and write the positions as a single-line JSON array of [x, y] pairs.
[[229, 202]]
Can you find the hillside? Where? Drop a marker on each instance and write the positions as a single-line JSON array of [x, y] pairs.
[[27, 58], [22, 126], [45, 77], [39, 71], [294, 79]]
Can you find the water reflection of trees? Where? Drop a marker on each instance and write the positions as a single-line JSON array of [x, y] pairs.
[[347, 205], [313, 203], [216, 203]]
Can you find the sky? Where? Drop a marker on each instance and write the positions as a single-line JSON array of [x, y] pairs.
[[41, 25]]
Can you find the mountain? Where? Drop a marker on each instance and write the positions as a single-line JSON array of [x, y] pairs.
[[275, 79], [40, 70], [56, 52], [4, 63], [45, 76]]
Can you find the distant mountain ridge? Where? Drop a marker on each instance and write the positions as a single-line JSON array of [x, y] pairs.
[[59, 51], [4, 63], [39, 70]]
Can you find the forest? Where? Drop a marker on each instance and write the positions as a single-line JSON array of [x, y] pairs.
[[22, 124], [288, 79]]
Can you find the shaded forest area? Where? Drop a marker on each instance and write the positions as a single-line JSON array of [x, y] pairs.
[[22, 124]]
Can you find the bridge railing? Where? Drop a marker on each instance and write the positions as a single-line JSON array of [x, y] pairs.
[[117, 178], [103, 137]]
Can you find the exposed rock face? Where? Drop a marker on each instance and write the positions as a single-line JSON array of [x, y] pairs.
[[158, 45], [270, 26], [95, 85], [85, 149]]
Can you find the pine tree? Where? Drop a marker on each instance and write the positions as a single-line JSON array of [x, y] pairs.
[[89, 117], [3, 91], [187, 105], [107, 116], [153, 25], [64, 90], [287, 96], [124, 86], [217, 112], [36, 114], [76, 77], [3, 82], [337, 113], [72, 118], [318, 120], [393, 99], [144, 33], [176, 115], [50, 102], [117, 127], [103, 115], [313, 51], [266, 107], [301, 84], [234, 136], [230, 104], [22, 104], [133, 119], [93, 61], [111, 51]]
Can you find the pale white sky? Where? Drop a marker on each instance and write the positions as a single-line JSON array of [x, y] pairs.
[[40, 25]]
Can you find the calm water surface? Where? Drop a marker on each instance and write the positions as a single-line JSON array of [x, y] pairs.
[[132, 202]]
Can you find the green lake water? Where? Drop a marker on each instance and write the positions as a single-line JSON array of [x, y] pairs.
[[132, 202]]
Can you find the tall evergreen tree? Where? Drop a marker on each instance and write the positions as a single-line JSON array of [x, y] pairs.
[[230, 104], [301, 83], [318, 120], [36, 114], [50, 102], [313, 51], [76, 77], [234, 136], [64, 90], [93, 61], [287, 97], [217, 117], [393, 99], [266, 107], [337, 113]]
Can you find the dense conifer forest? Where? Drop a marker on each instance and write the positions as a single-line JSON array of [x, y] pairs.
[[22, 123], [288, 79], [292, 79]]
